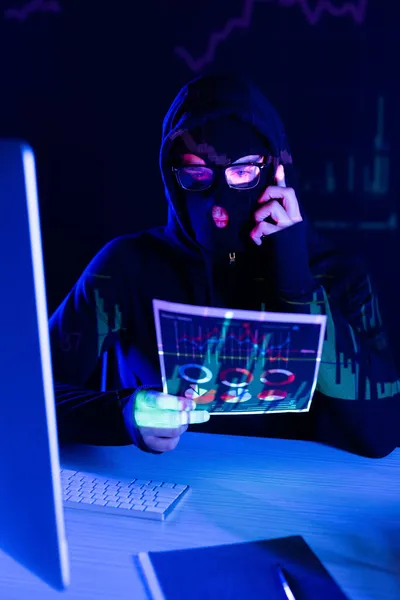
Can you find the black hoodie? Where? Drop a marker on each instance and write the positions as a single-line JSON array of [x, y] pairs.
[[108, 314]]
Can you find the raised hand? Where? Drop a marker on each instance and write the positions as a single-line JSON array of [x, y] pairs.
[[280, 204]]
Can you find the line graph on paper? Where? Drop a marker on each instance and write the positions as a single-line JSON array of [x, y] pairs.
[[313, 11], [236, 365]]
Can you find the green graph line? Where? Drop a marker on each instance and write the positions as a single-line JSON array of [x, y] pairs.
[[371, 179], [103, 321]]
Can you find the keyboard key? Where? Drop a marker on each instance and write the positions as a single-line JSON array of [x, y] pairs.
[[169, 492], [180, 488], [114, 482], [169, 496], [136, 486], [124, 493], [101, 480], [125, 505], [68, 473], [75, 498], [163, 505]]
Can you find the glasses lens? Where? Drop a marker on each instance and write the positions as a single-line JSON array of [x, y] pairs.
[[243, 177], [195, 178]]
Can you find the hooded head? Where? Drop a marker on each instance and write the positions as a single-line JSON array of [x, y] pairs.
[[216, 123]]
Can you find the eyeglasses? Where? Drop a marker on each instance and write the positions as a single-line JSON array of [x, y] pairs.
[[197, 178]]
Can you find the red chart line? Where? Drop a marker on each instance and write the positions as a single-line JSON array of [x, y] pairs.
[[356, 10]]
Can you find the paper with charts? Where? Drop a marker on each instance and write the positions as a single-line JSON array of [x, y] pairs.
[[238, 361]]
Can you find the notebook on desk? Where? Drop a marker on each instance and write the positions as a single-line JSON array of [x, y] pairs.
[[238, 571]]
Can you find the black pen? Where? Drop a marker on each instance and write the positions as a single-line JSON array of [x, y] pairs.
[[285, 585]]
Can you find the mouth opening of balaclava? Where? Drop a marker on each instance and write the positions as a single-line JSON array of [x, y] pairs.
[[222, 141]]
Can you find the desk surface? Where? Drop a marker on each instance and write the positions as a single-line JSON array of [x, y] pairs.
[[347, 508]]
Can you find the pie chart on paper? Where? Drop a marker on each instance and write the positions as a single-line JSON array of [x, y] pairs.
[[200, 395], [232, 397]]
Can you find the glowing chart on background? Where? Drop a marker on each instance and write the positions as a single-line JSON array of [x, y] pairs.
[[237, 361]]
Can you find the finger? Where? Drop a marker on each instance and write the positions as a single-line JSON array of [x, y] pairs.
[[262, 229], [160, 419], [154, 400], [163, 433], [169, 419], [276, 192], [179, 403], [198, 416], [160, 444], [280, 176], [288, 197], [276, 211]]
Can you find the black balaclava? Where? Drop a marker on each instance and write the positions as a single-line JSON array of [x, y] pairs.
[[208, 99], [222, 141]]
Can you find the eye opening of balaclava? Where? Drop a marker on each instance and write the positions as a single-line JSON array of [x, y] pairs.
[[222, 141]]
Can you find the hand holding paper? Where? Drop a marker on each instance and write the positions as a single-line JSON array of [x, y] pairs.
[[163, 418]]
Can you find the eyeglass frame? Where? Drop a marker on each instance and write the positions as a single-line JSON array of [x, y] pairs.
[[221, 168]]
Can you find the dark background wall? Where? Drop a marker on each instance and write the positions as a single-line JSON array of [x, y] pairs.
[[87, 85]]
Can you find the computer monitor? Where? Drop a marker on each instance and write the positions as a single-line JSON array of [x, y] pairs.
[[32, 527]]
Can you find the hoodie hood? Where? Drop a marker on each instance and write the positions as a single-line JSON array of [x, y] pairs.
[[207, 98]]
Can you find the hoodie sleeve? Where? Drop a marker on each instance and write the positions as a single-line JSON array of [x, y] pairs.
[[87, 323], [357, 404]]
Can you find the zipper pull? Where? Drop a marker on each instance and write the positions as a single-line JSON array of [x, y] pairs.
[[232, 258]]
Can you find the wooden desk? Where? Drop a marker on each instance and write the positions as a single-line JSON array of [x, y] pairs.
[[346, 507]]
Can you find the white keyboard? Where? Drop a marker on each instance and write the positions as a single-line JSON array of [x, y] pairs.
[[141, 498]]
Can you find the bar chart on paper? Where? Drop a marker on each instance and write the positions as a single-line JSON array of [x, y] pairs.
[[239, 361]]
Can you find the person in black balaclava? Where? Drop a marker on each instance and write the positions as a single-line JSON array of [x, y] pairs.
[[233, 193], [237, 237]]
